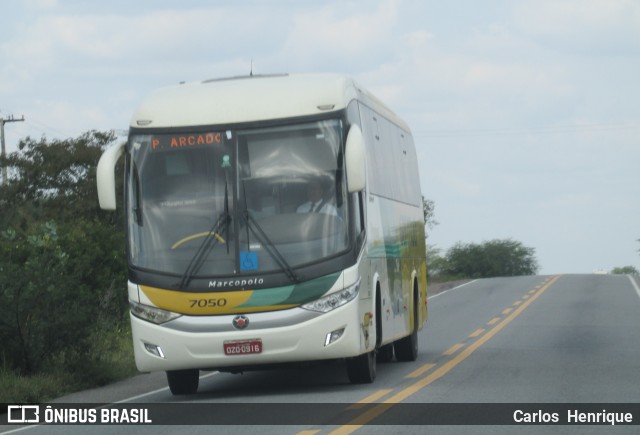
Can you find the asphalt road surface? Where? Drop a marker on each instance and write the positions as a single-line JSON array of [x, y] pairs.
[[525, 348]]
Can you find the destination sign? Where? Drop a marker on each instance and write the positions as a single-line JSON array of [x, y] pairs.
[[177, 141]]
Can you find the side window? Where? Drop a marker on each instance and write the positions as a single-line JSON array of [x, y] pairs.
[[412, 177], [376, 152], [391, 159]]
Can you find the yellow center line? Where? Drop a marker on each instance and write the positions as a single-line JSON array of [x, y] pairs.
[[369, 399], [516, 303], [379, 409], [453, 349], [507, 311], [477, 332], [493, 321], [420, 371], [526, 296]]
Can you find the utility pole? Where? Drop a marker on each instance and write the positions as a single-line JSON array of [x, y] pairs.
[[4, 151]]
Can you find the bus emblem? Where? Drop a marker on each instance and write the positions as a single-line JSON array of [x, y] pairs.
[[240, 322]]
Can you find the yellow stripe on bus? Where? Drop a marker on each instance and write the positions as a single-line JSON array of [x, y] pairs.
[[200, 304]]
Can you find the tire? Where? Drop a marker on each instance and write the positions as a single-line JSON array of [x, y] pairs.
[[183, 381], [385, 353], [407, 348], [362, 369]]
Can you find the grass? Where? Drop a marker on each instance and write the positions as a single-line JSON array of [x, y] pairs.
[[37, 388], [109, 359]]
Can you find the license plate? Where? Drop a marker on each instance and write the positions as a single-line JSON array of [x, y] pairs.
[[243, 347]]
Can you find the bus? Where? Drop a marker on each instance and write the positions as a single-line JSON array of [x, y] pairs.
[[271, 220]]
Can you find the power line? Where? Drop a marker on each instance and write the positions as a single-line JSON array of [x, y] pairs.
[[4, 121], [37, 124], [578, 128]]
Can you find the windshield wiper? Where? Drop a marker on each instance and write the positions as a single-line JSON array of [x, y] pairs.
[[262, 237], [209, 242]]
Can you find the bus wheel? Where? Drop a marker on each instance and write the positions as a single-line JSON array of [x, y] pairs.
[[407, 348], [385, 353], [361, 369], [183, 381]]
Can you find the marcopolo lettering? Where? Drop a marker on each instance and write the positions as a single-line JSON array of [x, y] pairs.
[[236, 282]]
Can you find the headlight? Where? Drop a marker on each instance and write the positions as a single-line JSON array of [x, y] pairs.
[[151, 314], [334, 300]]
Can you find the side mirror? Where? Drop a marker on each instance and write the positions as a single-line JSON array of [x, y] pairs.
[[106, 177], [355, 160]]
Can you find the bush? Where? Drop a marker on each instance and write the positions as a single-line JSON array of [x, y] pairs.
[[63, 298], [108, 359], [488, 259], [626, 270]]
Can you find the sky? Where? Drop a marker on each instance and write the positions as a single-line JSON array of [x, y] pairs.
[[525, 113]]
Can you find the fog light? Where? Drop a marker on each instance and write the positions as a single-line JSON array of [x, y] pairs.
[[333, 336], [153, 349]]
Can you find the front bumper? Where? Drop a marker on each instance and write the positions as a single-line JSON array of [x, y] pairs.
[[196, 348]]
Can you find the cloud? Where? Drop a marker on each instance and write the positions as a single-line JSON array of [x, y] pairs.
[[341, 34], [604, 27], [158, 39], [38, 5], [66, 115], [463, 184], [445, 87]]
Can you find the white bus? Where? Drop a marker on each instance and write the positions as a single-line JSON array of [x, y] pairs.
[[270, 220]]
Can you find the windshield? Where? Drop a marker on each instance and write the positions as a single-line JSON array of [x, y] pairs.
[[224, 203]]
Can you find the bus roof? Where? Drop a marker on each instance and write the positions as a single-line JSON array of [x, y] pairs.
[[252, 98]]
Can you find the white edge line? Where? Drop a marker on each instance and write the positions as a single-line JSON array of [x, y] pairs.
[[139, 396], [447, 291], [20, 429], [634, 284]]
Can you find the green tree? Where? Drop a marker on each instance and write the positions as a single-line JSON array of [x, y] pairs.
[[428, 209], [55, 178], [436, 263], [61, 258], [626, 270], [490, 259]]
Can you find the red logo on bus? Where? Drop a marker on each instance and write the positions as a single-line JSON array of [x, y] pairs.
[[240, 322]]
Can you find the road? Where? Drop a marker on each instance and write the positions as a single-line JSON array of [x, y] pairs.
[[526, 340]]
